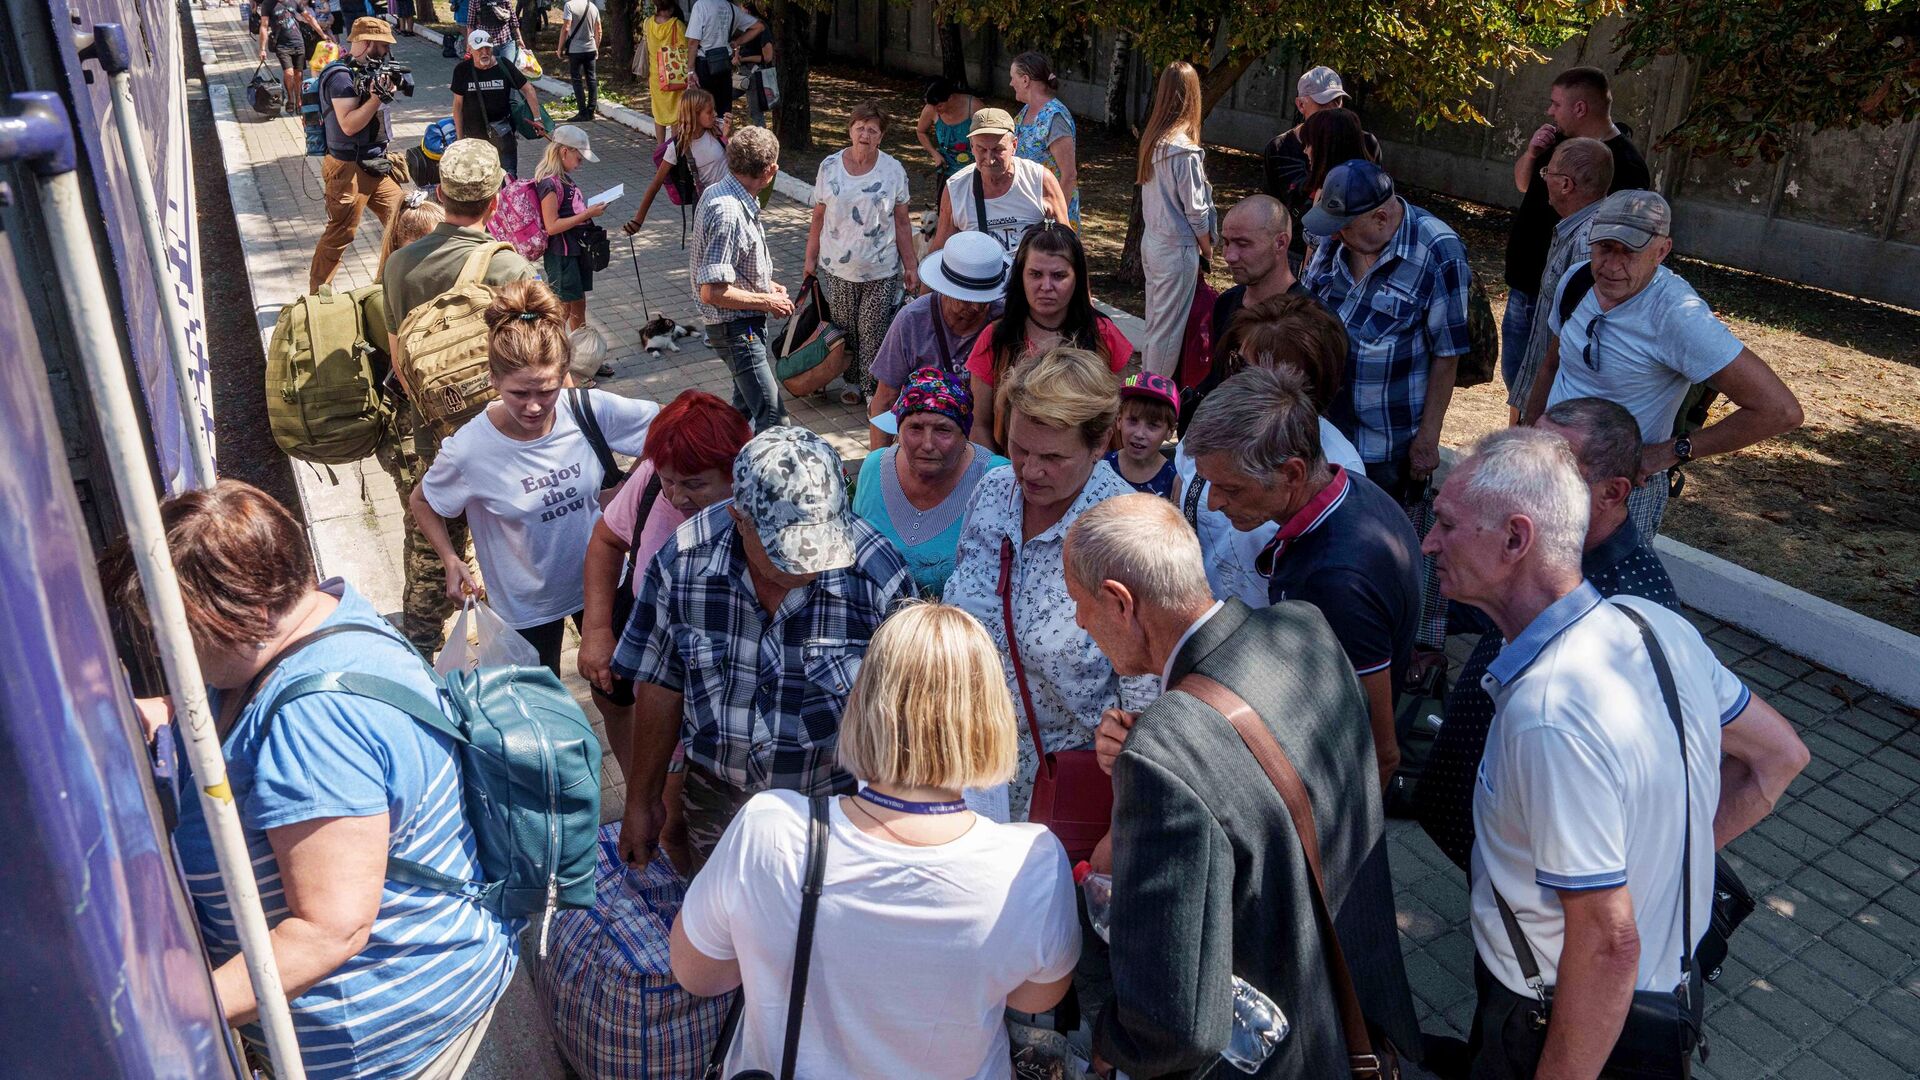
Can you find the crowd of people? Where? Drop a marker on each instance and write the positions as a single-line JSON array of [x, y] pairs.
[[1162, 625]]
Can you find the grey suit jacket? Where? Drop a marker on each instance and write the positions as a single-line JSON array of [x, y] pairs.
[[1209, 878]]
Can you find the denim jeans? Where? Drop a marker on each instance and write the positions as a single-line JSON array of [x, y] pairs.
[[742, 343], [586, 84], [1515, 328]]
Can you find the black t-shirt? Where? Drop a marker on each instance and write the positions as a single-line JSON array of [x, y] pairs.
[[1361, 567], [1532, 232], [283, 23], [1288, 175], [493, 87], [1225, 307]]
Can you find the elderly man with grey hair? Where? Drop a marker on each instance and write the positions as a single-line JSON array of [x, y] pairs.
[[1210, 878], [1622, 754], [733, 275], [1344, 545], [1576, 177]]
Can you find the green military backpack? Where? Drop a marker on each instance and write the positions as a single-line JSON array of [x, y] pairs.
[[323, 397]]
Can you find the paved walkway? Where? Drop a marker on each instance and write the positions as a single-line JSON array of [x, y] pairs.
[[1824, 981]]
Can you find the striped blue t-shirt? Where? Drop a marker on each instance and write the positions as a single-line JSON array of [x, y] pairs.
[[434, 962]]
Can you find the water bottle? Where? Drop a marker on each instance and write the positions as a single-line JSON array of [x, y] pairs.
[[1258, 1024]]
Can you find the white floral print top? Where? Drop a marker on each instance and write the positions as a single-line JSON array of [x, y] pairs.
[[1071, 679], [856, 237]]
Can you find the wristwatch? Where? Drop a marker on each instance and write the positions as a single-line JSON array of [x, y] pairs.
[[1683, 449]]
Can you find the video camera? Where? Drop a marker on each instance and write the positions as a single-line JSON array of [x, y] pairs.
[[384, 77]]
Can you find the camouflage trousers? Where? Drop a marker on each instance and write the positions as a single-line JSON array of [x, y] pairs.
[[710, 805], [407, 453]]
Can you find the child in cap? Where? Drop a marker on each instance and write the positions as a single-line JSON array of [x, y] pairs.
[[1148, 405]]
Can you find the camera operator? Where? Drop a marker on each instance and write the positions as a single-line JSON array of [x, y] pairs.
[[483, 89], [355, 171]]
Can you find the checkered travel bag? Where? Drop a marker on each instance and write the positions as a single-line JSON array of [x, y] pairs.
[[615, 1009]]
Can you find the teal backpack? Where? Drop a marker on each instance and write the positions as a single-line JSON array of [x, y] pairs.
[[529, 769]]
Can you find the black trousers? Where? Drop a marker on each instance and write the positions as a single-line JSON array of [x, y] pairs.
[[586, 85], [547, 638]]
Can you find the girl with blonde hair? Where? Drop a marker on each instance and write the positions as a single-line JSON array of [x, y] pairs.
[[700, 136], [1176, 205], [525, 473], [565, 215], [918, 881], [414, 218]]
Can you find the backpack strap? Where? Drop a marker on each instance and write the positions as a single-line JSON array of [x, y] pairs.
[[1576, 290], [581, 405], [475, 268]]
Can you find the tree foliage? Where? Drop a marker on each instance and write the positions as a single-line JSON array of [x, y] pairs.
[[1769, 67]]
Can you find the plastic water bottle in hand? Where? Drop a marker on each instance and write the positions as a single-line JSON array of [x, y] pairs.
[[1258, 1024]]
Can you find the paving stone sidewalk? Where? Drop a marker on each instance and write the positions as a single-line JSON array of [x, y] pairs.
[[1824, 980]]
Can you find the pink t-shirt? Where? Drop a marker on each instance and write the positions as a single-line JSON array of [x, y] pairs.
[[1112, 342], [660, 523]]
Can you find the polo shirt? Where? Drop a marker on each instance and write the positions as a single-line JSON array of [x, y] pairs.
[[1352, 553], [1644, 353], [1623, 564], [431, 265], [1581, 786]]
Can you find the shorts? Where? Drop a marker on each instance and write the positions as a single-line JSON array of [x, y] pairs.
[[292, 58], [568, 276]]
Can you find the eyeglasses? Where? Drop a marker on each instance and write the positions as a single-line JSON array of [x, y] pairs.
[[1587, 356]]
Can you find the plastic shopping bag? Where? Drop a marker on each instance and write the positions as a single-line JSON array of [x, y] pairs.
[[482, 639]]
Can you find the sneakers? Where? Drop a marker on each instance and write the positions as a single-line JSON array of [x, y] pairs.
[[580, 118]]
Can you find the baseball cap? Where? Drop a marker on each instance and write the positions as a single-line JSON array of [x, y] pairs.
[[929, 390], [573, 138], [1632, 218], [369, 28], [991, 122], [787, 481], [1321, 86], [479, 39], [1153, 388], [470, 171], [1351, 189]]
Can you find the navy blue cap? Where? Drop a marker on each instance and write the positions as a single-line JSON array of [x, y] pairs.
[[1351, 189]]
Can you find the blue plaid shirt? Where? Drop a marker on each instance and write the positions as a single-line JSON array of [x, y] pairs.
[[729, 246], [1409, 308], [763, 692]]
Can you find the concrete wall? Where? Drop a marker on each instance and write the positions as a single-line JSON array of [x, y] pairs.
[[1841, 211]]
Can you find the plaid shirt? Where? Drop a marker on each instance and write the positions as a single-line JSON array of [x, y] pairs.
[[1409, 308], [729, 246], [763, 693]]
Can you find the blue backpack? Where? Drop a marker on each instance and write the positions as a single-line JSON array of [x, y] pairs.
[[529, 770]]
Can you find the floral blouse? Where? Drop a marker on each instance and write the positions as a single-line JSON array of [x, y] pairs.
[[1071, 679]]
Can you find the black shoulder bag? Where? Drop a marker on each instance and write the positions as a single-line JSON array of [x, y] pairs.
[[810, 891], [611, 474], [1662, 1026]]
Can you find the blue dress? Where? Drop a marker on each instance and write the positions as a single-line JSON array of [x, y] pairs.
[[926, 539]]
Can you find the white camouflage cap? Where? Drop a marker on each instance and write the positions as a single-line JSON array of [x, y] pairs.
[[788, 482]]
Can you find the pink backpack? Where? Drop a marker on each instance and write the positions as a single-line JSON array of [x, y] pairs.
[[516, 219]]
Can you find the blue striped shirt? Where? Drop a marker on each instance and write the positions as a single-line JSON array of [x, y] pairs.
[[434, 962]]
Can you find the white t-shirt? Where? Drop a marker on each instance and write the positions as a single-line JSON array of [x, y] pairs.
[[583, 17], [856, 238], [532, 505], [1229, 553], [1648, 351], [1008, 216], [1580, 787], [714, 22], [915, 949], [709, 158]]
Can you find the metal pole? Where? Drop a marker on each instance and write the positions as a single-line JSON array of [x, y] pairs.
[[110, 48], [26, 134]]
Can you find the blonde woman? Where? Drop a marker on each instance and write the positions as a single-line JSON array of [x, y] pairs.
[[915, 882], [525, 475], [563, 213], [1176, 203], [1061, 411]]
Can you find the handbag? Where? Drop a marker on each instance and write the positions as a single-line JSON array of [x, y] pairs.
[[595, 245], [1662, 1026], [811, 352], [817, 839], [1732, 903], [671, 63], [1362, 1058], [1072, 796]]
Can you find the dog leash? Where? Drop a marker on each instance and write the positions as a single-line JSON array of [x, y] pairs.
[[633, 249]]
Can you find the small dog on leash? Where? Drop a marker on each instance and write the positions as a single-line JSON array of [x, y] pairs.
[[663, 335]]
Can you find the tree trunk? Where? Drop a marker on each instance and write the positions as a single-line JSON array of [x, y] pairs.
[[953, 54], [1215, 83], [989, 59], [1117, 69], [793, 33], [424, 10], [622, 22]]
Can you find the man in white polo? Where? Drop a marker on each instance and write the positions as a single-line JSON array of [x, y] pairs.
[[1641, 337], [1582, 794]]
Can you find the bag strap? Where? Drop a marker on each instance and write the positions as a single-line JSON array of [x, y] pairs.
[[582, 406], [1578, 286], [980, 203], [475, 268], [1253, 731], [574, 38], [1013, 650], [1190, 500], [809, 912], [648, 496]]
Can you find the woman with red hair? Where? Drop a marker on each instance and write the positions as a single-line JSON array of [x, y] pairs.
[[686, 467]]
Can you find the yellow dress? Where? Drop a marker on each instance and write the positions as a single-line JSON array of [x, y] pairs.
[[669, 67]]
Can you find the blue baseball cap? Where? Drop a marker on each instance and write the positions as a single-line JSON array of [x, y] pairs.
[[1351, 189]]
